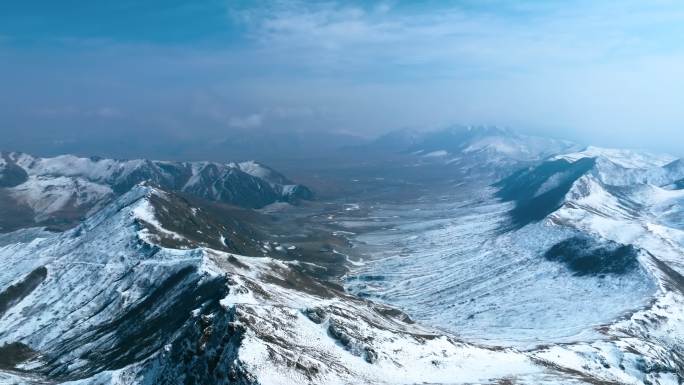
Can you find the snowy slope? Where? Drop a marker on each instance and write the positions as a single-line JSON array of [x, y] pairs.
[[451, 267], [578, 259], [628, 167], [621, 157], [628, 198], [541, 189], [648, 345]]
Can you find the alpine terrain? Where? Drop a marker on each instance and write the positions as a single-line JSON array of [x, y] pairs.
[[470, 255]]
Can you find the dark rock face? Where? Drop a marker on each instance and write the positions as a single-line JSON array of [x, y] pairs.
[[234, 187], [14, 354], [299, 192], [140, 331], [586, 256], [213, 182], [219, 230], [15, 293], [352, 342], [13, 215], [148, 171], [679, 184], [523, 188], [204, 352], [316, 315], [10, 174]]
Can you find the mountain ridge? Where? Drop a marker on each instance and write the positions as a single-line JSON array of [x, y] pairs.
[[130, 310], [456, 140], [59, 190], [162, 285]]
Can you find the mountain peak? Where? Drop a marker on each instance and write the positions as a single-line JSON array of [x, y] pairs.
[[631, 159], [677, 164]]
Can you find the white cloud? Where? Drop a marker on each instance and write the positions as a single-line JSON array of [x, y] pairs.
[[104, 112], [107, 112], [248, 121], [454, 41], [583, 69]]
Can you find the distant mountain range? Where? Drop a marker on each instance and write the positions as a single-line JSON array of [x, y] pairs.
[[59, 191], [472, 140]]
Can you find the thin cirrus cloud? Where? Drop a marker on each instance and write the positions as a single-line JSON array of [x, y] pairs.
[[587, 70], [456, 37], [610, 73], [249, 121]]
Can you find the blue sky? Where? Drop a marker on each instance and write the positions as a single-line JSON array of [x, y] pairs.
[[605, 72]]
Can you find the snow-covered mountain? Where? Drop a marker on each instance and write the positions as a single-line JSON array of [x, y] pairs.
[[59, 191], [574, 266], [636, 203], [541, 189], [105, 303], [578, 260], [493, 144]]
